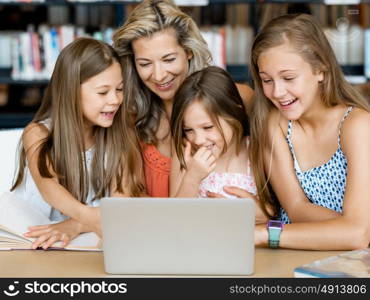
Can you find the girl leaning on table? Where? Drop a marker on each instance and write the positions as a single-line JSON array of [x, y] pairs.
[[74, 150], [310, 141]]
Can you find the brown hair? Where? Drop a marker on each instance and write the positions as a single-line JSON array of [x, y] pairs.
[[63, 150], [303, 32], [216, 90], [148, 18]]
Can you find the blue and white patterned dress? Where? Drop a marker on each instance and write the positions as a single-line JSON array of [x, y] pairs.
[[323, 185]]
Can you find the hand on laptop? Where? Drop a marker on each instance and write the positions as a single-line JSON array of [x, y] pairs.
[[47, 235]]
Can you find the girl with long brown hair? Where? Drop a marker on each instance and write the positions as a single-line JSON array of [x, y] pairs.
[[74, 152], [210, 132], [310, 141]]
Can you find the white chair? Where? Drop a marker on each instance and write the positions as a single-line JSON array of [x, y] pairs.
[[9, 140]]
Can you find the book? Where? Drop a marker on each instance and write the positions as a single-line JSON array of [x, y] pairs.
[[6, 49], [367, 53], [15, 218], [348, 264]]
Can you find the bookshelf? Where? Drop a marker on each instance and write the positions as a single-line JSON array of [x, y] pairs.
[[22, 94]]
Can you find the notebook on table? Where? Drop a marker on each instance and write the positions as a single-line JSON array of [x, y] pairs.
[[189, 236], [354, 263]]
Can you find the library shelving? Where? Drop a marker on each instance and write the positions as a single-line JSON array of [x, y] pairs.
[[20, 95]]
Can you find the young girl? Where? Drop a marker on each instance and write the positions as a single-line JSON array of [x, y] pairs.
[[310, 140], [210, 135], [74, 151], [159, 45]]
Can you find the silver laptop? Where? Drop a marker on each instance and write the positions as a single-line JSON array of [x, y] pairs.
[[189, 236]]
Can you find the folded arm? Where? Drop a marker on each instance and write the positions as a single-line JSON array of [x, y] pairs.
[[50, 189], [350, 229]]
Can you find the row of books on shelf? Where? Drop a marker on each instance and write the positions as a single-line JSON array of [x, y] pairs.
[[178, 2], [242, 14], [31, 55]]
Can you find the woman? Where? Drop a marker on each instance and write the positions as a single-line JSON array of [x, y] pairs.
[[159, 46]]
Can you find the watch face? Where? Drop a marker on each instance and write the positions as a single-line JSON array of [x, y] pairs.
[[277, 224]]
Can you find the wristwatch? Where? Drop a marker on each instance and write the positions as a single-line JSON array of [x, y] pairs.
[[274, 228]]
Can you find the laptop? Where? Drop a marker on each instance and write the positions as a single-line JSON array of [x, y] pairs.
[[183, 236]]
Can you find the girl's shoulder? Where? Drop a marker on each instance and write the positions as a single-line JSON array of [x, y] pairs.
[[355, 127], [356, 120], [246, 93], [276, 123], [34, 133]]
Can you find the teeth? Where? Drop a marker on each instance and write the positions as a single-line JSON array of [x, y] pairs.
[[165, 84], [287, 102]]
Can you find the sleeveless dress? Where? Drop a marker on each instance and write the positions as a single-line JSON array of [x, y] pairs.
[[157, 169], [323, 185], [28, 192]]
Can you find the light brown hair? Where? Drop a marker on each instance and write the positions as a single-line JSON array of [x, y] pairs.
[[63, 150], [304, 34], [148, 18]]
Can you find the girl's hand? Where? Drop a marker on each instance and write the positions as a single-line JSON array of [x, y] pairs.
[[261, 218], [235, 191], [47, 235], [201, 163]]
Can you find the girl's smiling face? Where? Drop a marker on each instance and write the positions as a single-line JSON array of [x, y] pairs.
[[200, 130], [289, 81], [101, 97]]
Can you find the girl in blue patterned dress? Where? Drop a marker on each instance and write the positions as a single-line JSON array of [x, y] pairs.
[[310, 140]]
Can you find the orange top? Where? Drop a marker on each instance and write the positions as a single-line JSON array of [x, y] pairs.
[[157, 169]]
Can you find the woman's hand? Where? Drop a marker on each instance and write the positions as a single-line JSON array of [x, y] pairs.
[[47, 235], [261, 218]]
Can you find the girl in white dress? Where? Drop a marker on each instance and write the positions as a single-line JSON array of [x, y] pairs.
[[73, 152]]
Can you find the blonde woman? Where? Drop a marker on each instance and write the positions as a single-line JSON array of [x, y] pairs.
[[74, 150], [159, 47]]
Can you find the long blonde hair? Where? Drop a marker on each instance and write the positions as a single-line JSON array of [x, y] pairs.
[[148, 18], [303, 32], [63, 150]]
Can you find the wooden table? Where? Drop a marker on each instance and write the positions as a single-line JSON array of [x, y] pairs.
[[38, 263]]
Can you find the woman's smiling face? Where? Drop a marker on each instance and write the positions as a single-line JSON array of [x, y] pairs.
[[162, 64]]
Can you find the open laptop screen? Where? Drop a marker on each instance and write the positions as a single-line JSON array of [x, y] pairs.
[[178, 236]]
